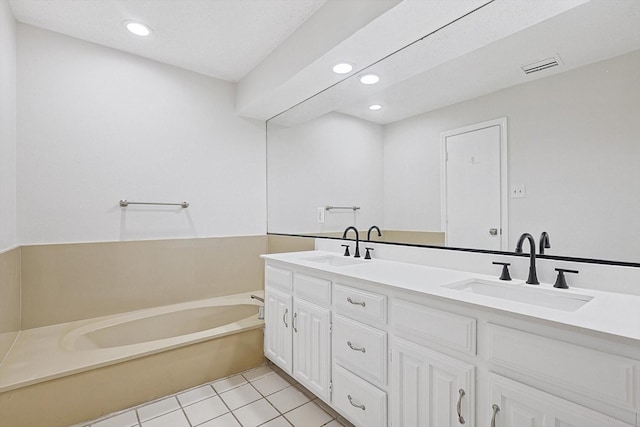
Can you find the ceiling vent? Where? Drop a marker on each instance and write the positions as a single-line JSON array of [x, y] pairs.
[[543, 64]]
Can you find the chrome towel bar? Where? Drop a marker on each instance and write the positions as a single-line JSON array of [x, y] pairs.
[[125, 203]]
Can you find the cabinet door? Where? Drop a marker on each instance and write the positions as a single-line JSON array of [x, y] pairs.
[[277, 330], [430, 389], [516, 404], [311, 347]]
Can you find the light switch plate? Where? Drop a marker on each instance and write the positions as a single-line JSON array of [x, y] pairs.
[[320, 215]]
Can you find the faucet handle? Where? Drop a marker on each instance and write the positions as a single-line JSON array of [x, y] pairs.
[[505, 270], [367, 255], [346, 250], [561, 281]]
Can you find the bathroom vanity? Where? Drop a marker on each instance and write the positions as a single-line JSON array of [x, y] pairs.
[[395, 344]]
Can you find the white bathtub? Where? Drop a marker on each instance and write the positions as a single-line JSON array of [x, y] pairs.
[[41, 354]]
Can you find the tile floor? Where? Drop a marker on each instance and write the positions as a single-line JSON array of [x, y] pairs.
[[264, 396]]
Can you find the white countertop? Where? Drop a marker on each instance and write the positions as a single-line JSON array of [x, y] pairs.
[[607, 312]]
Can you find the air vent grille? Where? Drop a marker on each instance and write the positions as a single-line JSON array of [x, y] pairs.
[[543, 64]]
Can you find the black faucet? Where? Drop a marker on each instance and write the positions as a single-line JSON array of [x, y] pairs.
[[344, 236], [533, 277], [373, 227], [544, 242]]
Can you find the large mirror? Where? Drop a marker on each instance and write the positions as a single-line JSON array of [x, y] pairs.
[[562, 94]]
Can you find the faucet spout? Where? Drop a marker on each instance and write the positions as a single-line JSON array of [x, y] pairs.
[[544, 242], [533, 277], [344, 236], [373, 227]]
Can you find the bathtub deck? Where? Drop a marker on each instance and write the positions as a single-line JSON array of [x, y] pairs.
[[38, 354]]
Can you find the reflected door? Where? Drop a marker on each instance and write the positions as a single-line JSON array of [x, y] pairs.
[[474, 192]]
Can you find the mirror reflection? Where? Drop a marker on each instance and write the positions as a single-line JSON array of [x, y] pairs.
[[533, 131]]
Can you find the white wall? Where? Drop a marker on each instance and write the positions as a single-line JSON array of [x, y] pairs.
[[573, 142], [312, 165], [96, 125], [8, 227]]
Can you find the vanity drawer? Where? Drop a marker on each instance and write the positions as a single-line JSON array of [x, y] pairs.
[[368, 307], [425, 325], [278, 277], [313, 289], [360, 348], [577, 370], [363, 404]]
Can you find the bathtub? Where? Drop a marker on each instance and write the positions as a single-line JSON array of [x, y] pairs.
[[50, 352]]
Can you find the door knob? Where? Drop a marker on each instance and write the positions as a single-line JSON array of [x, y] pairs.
[[493, 231]]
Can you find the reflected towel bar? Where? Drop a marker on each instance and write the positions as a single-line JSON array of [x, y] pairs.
[[351, 208], [125, 203]]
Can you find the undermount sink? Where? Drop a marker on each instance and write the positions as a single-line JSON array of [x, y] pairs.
[[336, 261], [527, 294]]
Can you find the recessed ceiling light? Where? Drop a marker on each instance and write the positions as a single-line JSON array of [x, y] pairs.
[[375, 107], [342, 68], [137, 28], [369, 79]]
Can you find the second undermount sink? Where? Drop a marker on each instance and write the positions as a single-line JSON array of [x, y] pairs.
[[334, 260], [527, 294]]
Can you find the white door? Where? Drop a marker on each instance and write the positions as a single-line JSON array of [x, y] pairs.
[[277, 327], [311, 347], [474, 193], [515, 404], [430, 389]]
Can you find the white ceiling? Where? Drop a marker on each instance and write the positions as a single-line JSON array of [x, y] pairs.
[[224, 39]]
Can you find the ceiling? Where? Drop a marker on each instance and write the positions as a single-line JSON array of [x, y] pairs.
[[224, 39]]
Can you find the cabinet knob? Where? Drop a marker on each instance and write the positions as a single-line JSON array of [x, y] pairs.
[[356, 302], [354, 348], [355, 404]]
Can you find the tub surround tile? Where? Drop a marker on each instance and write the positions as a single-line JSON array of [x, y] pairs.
[[229, 383], [240, 396], [205, 410], [256, 413], [196, 395], [164, 272]]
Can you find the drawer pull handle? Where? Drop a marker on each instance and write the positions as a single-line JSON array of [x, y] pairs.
[[284, 317], [293, 322], [355, 404], [496, 409], [459, 406], [354, 348], [356, 302]]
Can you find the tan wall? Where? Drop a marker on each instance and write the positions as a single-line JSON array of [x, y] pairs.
[[279, 244], [66, 282], [89, 395], [9, 299]]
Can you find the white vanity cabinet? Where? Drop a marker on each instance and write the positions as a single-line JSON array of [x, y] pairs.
[[430, 389], [297, 323], [386, 356]]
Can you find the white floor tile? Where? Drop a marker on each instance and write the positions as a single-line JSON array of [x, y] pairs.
[[224, 421], [344, 422], [229, 383], [196, 395], [127, 419], [288, 399], [326, 408], [308, 415], [158, 408], [269, 384], [254, 374], [172, 419], [205, 410], [278, 422], [255, 413], [333, 423], [240, 396]]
